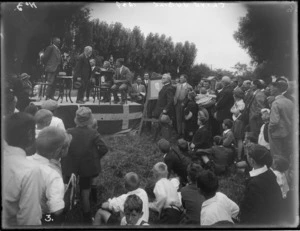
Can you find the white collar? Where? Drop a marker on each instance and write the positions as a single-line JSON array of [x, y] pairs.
[[255, 91], [184, 84], [209, 201], [258, 171], [226, 131], [40, 158]]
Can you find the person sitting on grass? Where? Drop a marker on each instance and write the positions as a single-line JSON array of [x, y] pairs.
[[217, 207], [43, 119], [175, 161], [167, 202], [52, 143], [109, 213], [262, 201], [133, 210], [228, 137], [202, 137], [191, 199], [217, 158]]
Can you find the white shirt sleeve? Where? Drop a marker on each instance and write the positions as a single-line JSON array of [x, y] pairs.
[[61, 125], [55, 195], [160, 197], [117, 203], [234, 208], [30, 212]]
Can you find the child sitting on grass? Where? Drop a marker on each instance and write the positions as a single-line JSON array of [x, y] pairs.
[[217, 207], [108, 214], [167, 202], [191, 199], [218, 158], [133, 210], [228, 137]]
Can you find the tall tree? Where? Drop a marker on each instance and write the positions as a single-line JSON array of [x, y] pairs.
[[266, 32], [198, 72]]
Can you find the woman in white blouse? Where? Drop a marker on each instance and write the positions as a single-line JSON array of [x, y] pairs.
[[238, 126]]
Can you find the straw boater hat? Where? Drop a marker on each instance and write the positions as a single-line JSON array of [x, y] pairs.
[[83, 117]]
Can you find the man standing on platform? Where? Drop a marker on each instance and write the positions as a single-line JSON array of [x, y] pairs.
[[83, 71], [52, 60], [122, 81], [182, 90], [165, 105], [146, 80]]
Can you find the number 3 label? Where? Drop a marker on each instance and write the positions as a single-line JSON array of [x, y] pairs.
[[48, 218]]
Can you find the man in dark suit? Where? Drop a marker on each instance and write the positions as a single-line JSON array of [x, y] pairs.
[[83, 71], [52, 60], [257, 102], [165, 100], [164, 109], [224, 102], [146, 80], [122, 81]]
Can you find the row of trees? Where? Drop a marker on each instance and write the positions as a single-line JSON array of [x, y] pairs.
[[268, 38], [151, 53]]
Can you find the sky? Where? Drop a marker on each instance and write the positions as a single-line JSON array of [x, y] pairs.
[[210, 26]]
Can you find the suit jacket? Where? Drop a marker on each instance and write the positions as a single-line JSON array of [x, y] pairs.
[[93, 72], [258, 103], [124, 75], [185, 89], [165, 101], [202, 138], [224, 103], [52, 58], [177, 163], [85, 151], [146, 85], [83, 68], [281, 122], [262, 201]]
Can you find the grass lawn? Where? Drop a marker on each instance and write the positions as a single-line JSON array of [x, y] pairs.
[[133, 153]]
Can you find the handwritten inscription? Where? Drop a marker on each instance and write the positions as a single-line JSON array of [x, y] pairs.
[[125, 4], [186, 5], [28, 4]]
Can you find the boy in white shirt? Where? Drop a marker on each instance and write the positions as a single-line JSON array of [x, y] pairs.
[[52, 143], [107, 214], [217, 207], [167, 202]]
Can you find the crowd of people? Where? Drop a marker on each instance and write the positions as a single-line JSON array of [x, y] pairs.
[[220, 125], [236, 124]]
